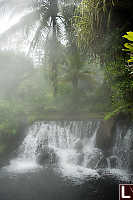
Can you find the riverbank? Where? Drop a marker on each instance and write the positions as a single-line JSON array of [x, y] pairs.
[[55, 115]]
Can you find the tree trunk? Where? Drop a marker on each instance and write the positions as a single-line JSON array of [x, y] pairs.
[[54, 63], [54, 11]]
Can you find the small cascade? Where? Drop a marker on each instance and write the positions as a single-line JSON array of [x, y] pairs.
[[61, 135], [64, 143], [122, 150], [71, 147], [108, 162], [123, 147]]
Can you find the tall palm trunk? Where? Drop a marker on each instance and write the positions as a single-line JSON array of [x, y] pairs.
[[54, 63], [54, 11]]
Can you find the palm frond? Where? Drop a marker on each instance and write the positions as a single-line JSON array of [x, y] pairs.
[[90, 17], [35, 39]]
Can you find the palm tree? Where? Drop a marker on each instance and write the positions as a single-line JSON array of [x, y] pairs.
[[48, 11], [95, 17], [45, 17]]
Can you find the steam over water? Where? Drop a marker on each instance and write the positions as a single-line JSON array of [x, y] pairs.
[[71, 144], [55, 155]]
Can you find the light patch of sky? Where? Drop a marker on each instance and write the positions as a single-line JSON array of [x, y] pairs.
[[7, 21], [12, 11]]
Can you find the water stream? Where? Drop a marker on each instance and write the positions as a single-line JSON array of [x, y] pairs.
[[63, 154]]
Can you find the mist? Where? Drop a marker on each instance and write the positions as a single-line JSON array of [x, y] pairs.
[[66, 97]]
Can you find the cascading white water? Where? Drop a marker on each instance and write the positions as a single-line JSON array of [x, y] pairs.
[[122, 148], [72, 142], [57, 135], [74, 146], [71, 146], [60, 135]]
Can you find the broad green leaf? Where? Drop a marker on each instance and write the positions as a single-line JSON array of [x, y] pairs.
[[129, 36], [129, 46], [126, 50], [130, 60]]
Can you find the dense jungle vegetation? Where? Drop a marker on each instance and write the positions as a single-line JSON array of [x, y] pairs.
[[64, 57]]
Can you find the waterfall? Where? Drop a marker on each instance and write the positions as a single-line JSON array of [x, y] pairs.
[[71, 147], [121, 156], [123, 146], [64, 143], [61, 135], [75, 137]]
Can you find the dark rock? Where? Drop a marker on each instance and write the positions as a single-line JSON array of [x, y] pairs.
[[102, 163], [47, 155], [104, 138], [94, 158], [114, 161], [131, 161], [78, 146]]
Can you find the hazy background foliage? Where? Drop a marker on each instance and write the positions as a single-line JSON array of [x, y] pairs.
[[60, 57]]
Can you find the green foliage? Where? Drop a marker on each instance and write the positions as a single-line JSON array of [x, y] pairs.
[[121, 84], [129, 46], [117, 111], [14, 69], [90, 19], [100, 36], [95, 80], [129, 36]]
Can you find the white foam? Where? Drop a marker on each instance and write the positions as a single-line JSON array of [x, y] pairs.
[[21, 166]]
